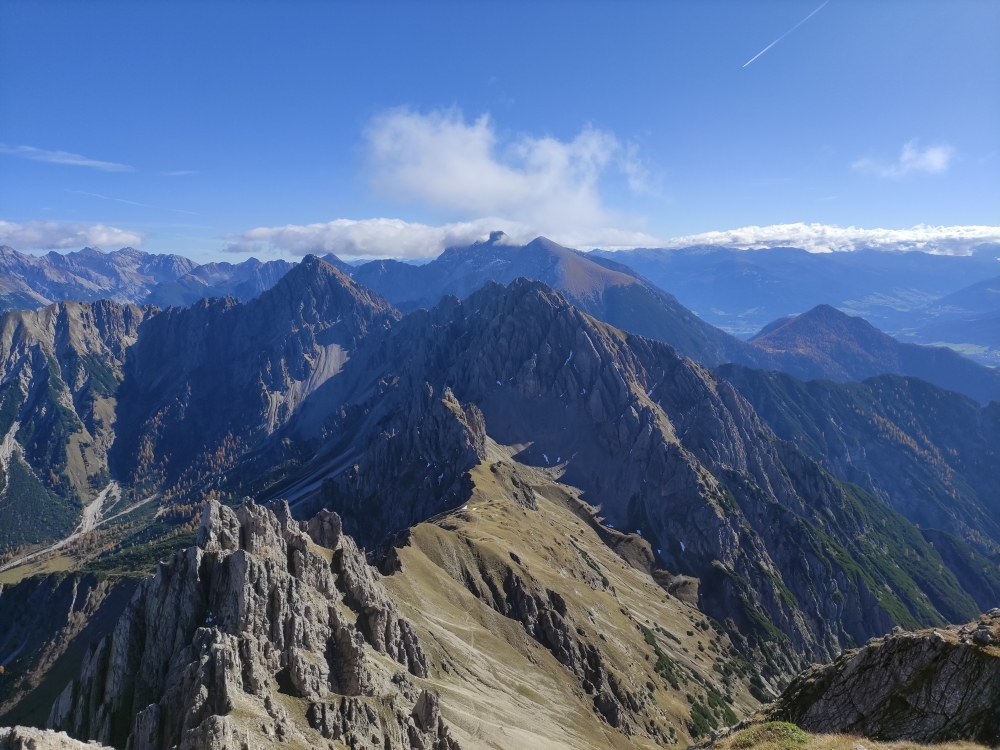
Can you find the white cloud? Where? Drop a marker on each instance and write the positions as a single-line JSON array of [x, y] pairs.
[[395, 238], [823, 238], [525, 186], [441, 161], [62, 157], [931, 160], [55, 235]]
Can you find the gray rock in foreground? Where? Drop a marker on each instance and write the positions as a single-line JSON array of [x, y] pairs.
[[29, 738], [930, 686]]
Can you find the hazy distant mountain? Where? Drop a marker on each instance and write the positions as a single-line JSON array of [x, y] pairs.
[[741, 290], [245, 281], [967, 320], [826, 343], [29, 282], [126, 275], [976, 336]]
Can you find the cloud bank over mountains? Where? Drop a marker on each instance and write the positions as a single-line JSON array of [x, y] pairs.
[[394, 238], [56, 235], [824, 238]]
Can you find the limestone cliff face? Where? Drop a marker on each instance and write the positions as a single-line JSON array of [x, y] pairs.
[[931, 686], [233, 642]]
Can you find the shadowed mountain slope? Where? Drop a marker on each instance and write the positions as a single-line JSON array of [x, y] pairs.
[[204, 384]]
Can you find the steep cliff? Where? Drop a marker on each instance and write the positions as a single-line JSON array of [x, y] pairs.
[[205, 384]]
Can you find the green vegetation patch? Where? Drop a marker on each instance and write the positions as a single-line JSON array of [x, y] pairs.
[[778, 735], [141, 558], [29, 512], [665, 666]]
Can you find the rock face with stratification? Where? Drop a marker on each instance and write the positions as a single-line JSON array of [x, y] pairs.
[[232, 642], [929, 686]]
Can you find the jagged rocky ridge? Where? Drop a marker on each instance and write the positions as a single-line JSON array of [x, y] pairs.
[[210, 649], [931, 686], [796, 563]]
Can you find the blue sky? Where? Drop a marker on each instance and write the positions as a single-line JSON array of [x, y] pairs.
[[218, 129]]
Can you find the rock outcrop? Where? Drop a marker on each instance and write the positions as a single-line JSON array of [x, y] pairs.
[[928, 686], [232, 642], [29, 738]]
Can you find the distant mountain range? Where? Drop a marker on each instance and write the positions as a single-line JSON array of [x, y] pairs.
[[823, 343], [740, 291], [28, 282], [829, 344], [967, 320]]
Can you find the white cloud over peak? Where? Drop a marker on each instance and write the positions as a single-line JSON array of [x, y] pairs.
[[62, 157], [395, 238], [930, 160], [56, 235], [824, 238], [525, 186], [441, 161]]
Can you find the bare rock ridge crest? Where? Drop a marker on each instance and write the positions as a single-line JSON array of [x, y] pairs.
[[265, 610]]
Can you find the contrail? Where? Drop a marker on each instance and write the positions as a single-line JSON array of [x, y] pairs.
[[786, 34], [133, 203]]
